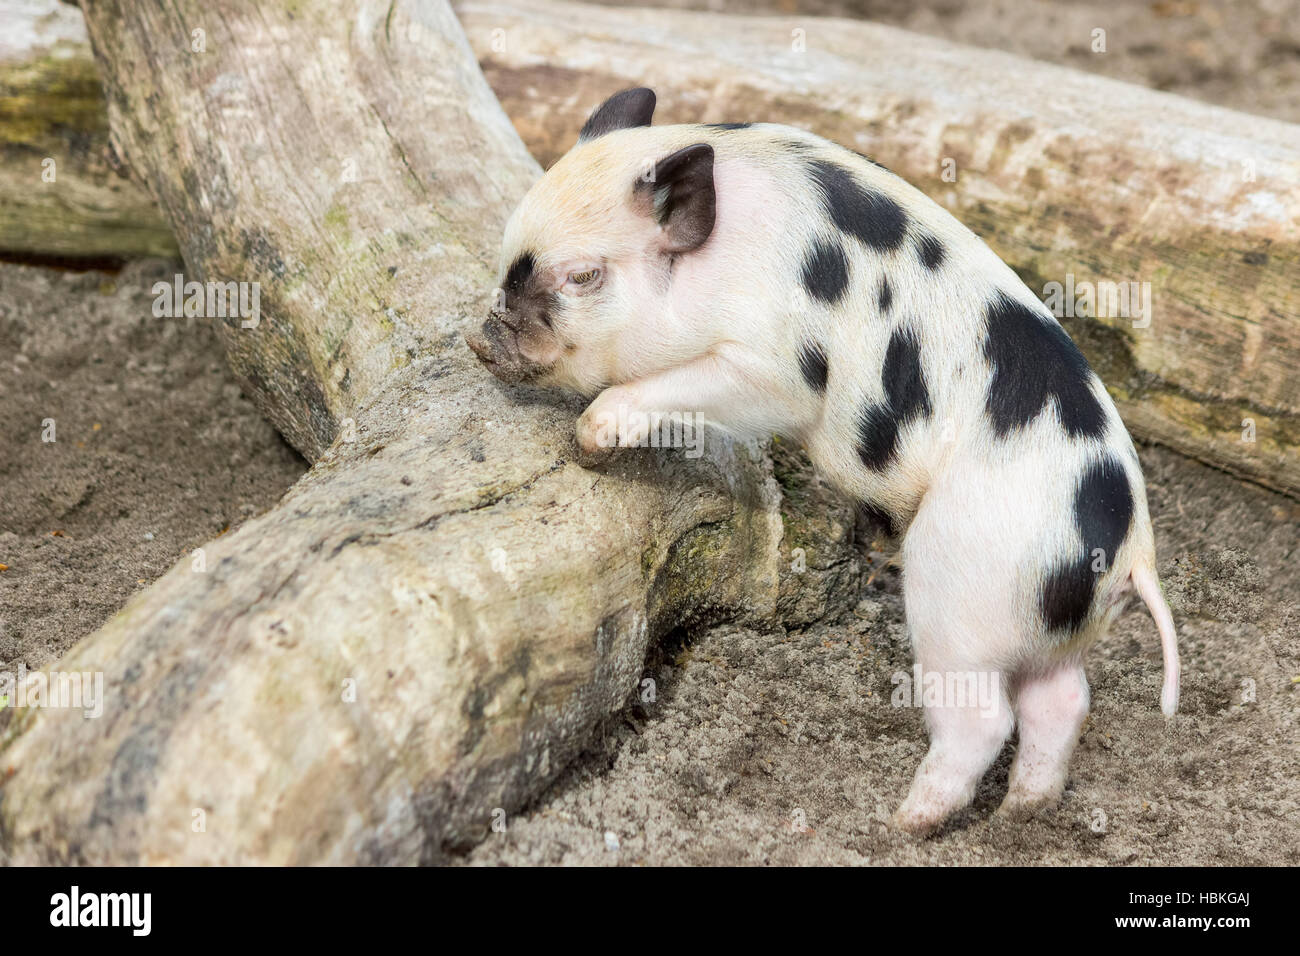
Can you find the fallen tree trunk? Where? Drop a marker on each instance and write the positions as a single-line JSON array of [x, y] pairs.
[[61, 192], [1063, 173], [437, 616]]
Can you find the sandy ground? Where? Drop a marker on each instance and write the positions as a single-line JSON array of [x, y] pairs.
[[759, 748], [155, 451]]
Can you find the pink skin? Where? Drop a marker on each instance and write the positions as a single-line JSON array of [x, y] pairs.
[[1050, 711]]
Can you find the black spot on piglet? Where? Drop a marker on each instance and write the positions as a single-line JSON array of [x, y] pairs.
[[826, 271], [906, 398], [812, 363], [871, 216], [521, 270], [1103, 511], [728, 125], [885, 298], [1033, 361], [1103, 506], [930, 250]]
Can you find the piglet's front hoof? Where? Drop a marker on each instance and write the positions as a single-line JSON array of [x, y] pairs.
[[591, 452], [597, 457], [593, 437]]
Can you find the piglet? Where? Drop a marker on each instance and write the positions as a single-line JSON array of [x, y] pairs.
[[771, 281]]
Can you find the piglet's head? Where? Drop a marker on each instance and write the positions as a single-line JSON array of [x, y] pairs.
[[587, 258]]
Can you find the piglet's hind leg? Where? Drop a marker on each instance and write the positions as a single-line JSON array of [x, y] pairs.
[[1050, 711], [958, 592], [964, 741]]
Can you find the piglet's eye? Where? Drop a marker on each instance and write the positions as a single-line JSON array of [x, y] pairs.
[[582, 278]]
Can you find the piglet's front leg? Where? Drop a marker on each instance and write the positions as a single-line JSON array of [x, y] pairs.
[[625, 416], [613, 420]]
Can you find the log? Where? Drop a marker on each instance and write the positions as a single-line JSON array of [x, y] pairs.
[[63, 193], [1062, 173], [432, 622]]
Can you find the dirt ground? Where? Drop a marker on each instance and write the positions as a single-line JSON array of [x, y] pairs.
[[155, 451], [760, 748]]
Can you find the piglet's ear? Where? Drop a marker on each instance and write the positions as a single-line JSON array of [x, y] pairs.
[[621, 111], [681, 198]]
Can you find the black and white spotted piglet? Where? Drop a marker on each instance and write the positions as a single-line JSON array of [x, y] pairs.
[[771, 281]]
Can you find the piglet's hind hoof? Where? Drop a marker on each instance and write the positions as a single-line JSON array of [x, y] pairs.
[[917, 824], [1021, 807]]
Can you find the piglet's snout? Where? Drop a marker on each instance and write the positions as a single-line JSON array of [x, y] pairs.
[[496, 344]]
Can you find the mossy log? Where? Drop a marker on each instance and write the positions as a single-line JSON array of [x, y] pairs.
[[62, 192], [1062, 173], [434, 620]]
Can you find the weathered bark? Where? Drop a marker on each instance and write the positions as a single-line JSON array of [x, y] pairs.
[[1061, 172], [52, 112], [438, 614]]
